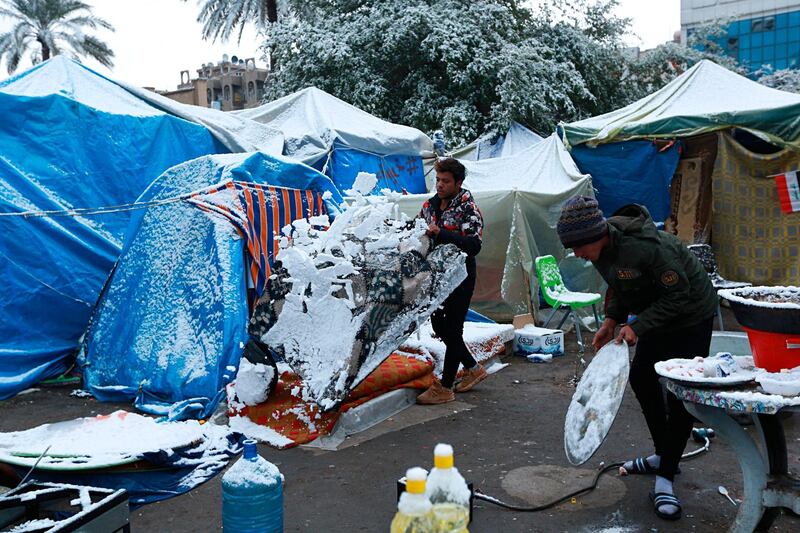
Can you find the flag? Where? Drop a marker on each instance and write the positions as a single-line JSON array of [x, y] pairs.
[[788, 191]]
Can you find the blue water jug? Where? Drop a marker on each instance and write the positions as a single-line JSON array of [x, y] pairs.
[[252, 495]]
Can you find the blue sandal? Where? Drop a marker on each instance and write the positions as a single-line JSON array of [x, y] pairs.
[[660, 499]]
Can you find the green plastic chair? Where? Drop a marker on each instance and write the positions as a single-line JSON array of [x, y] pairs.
[[558, 296]]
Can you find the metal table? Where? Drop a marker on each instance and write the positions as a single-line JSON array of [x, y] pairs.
[[762, 457]]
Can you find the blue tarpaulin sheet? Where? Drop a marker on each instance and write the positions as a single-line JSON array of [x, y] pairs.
[[394, 172], [171, 326], [165, 474], [70, 138], [630, 172]]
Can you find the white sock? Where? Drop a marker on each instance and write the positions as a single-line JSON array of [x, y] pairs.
[[653, 460], [664, 485]]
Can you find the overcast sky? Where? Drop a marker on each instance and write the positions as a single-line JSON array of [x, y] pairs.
[[156, 39]]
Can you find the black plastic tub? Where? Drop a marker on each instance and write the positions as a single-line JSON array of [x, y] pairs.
[[753, 309]]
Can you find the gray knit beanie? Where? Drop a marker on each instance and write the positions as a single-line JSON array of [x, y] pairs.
[[581, 222]]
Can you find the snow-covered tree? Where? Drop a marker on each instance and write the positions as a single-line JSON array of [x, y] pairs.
[[46, 28], [787, 79], [655, 68], [469, 67]]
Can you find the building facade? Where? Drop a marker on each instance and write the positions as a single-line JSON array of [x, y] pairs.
[[760, 34], [229, 85]]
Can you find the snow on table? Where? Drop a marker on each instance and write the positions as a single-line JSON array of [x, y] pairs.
[[742, 401]]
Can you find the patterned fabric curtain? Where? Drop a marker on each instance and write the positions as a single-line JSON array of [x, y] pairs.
[[753, 239], [259, 212]]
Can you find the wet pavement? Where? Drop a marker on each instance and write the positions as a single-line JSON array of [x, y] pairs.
[[508, 437]]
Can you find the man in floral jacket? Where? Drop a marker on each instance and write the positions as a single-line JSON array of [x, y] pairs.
[[453, 218]]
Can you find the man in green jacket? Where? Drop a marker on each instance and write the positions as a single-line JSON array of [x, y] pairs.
[[653, 278]]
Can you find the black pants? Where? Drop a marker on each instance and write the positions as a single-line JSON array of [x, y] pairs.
[[448, 324], [669, 423]]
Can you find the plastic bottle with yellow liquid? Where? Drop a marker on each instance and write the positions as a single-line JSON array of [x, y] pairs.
[[448, 493], [414, 508]]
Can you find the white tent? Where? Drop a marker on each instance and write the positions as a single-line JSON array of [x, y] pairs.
[[520, 197], [312, 120], [518, 139], [705, 98]]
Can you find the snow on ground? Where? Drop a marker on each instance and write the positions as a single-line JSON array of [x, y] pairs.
[[248, 428]]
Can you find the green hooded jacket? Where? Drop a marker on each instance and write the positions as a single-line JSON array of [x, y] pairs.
[[652, 275]]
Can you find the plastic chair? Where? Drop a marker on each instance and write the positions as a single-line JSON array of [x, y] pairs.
[[558, 296], [706, 256]]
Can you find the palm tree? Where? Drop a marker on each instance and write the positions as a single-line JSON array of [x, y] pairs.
[[57, 25], [221, 17]]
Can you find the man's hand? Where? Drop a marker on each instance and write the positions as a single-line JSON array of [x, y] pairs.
[[628, 335], [433, 230], [604, 334]]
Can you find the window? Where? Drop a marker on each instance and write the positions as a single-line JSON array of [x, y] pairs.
[[757, 25], [781, 36], [757, 39], [733, 43], [227, 92], [769, 38], [769, 23], [744, 41], [756, 55], [733, 28], [744, 55], [794, 19], [781, 51], [782, 20], [251, 90], [781, 64], [208, 95]]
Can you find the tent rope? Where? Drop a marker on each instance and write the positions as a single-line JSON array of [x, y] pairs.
[[83, 211]]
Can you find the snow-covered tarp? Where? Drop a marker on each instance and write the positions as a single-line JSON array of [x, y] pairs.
[[78, 451], [520, 198], [342, 140], [705, 98], [311, 120], [171, 325], [71, 140], [347, 295], [517, 139]]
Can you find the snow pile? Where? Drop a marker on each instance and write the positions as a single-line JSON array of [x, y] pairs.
[[773, 297], [253, 381], [595, 402], [355, 291]]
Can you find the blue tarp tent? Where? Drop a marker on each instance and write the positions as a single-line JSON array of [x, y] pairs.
[[70, 139], [630, 172], [341, 140], [170, 327]]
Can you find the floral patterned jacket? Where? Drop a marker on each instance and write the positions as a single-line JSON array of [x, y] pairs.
[[461, 223]]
